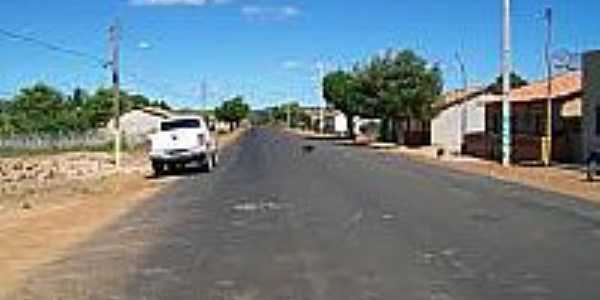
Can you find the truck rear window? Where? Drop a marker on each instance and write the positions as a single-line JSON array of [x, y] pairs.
[[180, 124]]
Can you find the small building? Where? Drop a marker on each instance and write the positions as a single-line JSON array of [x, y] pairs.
[[335, 122], [138, 123], [461, 113], [529, 107]]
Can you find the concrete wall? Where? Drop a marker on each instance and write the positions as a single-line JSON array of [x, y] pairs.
[[448, 129], [137, 124], [591, 101], [340, 123]]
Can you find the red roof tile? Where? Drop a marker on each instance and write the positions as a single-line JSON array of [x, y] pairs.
[[562, 85]]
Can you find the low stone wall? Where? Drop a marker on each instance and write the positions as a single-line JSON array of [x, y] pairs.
[[24, 174]]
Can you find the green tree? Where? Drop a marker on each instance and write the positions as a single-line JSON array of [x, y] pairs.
[[297, 116], [37, 109], [400, 85], [233, 111], [516, 81], [341, 89]]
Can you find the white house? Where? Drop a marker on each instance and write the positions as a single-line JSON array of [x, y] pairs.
[[462, 113], [138, 123]]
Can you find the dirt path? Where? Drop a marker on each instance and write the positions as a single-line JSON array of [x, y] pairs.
[[35, 237]]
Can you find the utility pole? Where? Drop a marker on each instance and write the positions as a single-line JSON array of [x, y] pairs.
[[320, 71], [547, 157], [114, 63], [204, 93], [463, 71], [288, 116], [506, 71], [203, 106], [463, 110]]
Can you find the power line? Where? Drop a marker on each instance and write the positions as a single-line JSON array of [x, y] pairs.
[[51, 46], [81, 54]]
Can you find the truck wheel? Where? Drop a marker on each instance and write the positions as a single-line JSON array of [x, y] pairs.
[[209, 164], [216, 159], [591, 170], [158, 168]]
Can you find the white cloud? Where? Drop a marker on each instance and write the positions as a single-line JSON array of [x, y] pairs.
[[176, 2], [291, 65], [270, 12], [144, 45]]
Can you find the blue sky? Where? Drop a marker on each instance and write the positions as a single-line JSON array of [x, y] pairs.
[[268, 49]]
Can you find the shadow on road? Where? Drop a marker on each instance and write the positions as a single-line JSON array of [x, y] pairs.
[[183, 172]]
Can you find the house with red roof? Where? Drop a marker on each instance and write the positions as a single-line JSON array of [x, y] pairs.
[[529, 106]]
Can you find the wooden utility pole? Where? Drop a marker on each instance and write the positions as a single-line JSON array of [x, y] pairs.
[[114, 63], [547, 157]]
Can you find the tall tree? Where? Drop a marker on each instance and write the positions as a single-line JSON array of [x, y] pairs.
[[341, 90], [233, 111], [401, 85]]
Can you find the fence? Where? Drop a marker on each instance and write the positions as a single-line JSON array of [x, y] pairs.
[[65, 140]]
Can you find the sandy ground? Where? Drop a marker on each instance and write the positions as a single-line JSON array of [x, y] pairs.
[[29, 238]]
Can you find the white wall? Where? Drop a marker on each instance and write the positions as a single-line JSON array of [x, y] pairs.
[[340, 123], [448, 129], [137, 124]]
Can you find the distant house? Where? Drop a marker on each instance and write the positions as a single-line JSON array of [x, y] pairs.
[[528, 121], [335, 122], [461, 113], [138, 123]]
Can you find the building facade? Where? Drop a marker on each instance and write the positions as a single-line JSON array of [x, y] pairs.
[[459, 117]]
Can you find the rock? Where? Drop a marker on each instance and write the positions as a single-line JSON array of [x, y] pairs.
[[17, 166], [26, 205]]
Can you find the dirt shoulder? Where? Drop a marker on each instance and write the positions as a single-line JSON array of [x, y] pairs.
[[63, 216]]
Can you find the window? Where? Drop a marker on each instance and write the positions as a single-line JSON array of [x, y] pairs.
[[180, 124]]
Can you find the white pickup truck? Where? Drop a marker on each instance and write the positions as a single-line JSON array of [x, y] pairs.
[[180, 141]]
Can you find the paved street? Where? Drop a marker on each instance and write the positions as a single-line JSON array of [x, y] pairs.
[[278, 222]]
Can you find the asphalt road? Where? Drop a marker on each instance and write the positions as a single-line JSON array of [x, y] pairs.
[[338, 223]]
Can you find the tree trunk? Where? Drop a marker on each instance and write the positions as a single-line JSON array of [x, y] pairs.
[[350, 126], [390, 131], [231, 126]]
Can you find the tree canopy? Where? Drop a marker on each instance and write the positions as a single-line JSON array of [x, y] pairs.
[[397, 84], [233, 111], [341, 89], [401, 84], [44, 109], [516, 81]]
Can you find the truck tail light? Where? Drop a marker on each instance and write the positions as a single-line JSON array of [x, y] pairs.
[[148, 145], [201, 140]]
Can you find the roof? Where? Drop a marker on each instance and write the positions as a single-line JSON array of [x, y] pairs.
[[157, 111], [563, 85], [459, 96]]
